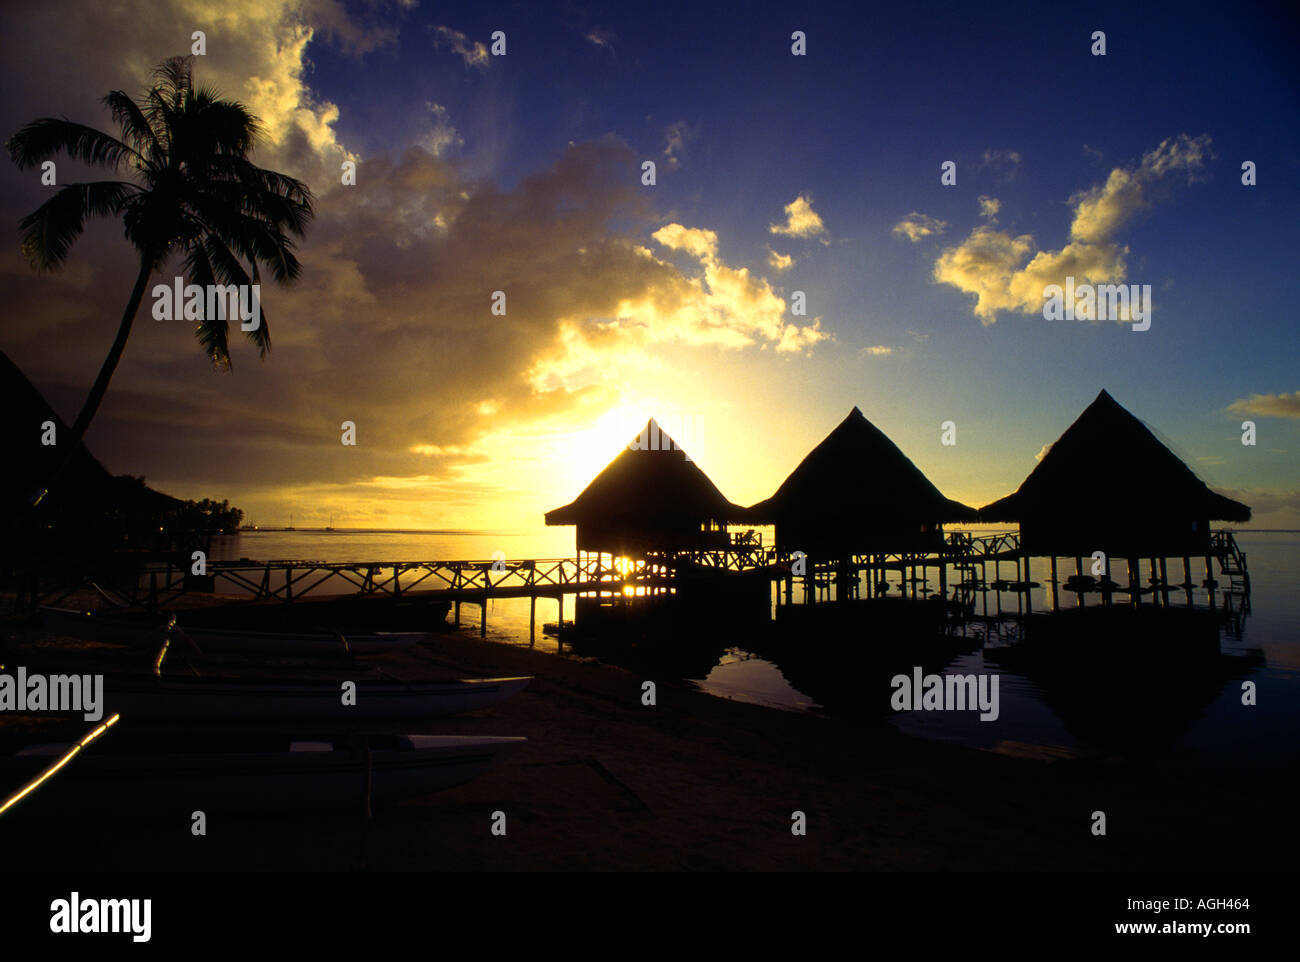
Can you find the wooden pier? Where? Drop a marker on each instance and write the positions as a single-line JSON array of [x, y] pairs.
[[964, 564]]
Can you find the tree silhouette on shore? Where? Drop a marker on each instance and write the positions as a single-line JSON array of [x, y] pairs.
[[194, 193]]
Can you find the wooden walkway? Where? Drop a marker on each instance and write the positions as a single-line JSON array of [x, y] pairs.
[[966, 556]]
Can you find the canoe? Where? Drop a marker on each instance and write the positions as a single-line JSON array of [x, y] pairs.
[[265, 700], [175, 775], [136, 633]]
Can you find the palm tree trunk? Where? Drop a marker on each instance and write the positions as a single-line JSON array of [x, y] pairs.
[[106, 370], [114, 353]]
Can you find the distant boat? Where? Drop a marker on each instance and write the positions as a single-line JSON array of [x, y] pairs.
[[249, 527], [291, 527], [139, 773], [330, 527]]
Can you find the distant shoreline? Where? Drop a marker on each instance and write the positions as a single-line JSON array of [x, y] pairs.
[[481, 532]]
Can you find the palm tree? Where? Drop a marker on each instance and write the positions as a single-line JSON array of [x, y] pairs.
[[193, 192]]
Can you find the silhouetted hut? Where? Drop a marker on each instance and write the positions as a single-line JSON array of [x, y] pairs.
[[856, 493], [1109, 485], [84, 497], [650, 499], [86, 518]]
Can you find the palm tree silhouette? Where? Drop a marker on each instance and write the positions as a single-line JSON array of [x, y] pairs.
[[195, 192]]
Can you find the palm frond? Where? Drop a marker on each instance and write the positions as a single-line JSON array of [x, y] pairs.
[[135, 126], [43, 138], [212, 332], [231, 271], [49, 231]]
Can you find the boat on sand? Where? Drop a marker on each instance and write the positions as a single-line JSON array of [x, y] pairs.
[[142, 633], [152, 775], [267, 700]]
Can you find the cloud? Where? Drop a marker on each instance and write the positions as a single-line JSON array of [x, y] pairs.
[[800, 220], [676, 137], [474, 54], [1008, 273], [443, 135], [722, 305], [1005, 163], [1282, 503], [876, 350], [779, 262], [916, 226], [694, 241], [989, 206], [601, 38], [1042, 452], [1268, 405]]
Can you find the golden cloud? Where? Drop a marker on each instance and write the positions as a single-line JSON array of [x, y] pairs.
[[779, 262], [916, 226], [1268, 405], [800, 220], [998, 268]]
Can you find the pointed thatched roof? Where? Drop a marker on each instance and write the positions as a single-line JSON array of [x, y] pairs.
[[1109, 463], [856, 473], [85, 490], [650, 484], [33, 462]]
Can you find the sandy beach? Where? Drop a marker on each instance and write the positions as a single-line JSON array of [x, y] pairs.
[[693, 783]]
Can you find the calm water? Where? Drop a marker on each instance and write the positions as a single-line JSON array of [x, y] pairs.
[[1212, 729]]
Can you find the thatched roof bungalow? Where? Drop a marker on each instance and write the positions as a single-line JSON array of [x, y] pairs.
[[857, 493], [86, 494], [1108, 484], [650, 498]]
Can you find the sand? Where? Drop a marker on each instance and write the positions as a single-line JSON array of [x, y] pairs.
[[695, 783]]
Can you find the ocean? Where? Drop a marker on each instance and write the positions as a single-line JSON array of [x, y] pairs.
[[1203, 724]]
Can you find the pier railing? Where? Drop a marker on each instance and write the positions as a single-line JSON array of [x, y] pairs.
[[961, 555]]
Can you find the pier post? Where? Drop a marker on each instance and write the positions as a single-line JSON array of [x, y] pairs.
[[532, 619], [482, 624], [1209, 579], [1187, 578], [457, 612], [1164, 582], [1134, 582], [1029, 598], [1056, 600]]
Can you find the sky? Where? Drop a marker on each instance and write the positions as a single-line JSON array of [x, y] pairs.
[[797, 255]]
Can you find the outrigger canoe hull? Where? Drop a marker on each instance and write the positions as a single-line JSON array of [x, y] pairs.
[[125, 775], [85, 624], [213, 699]]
